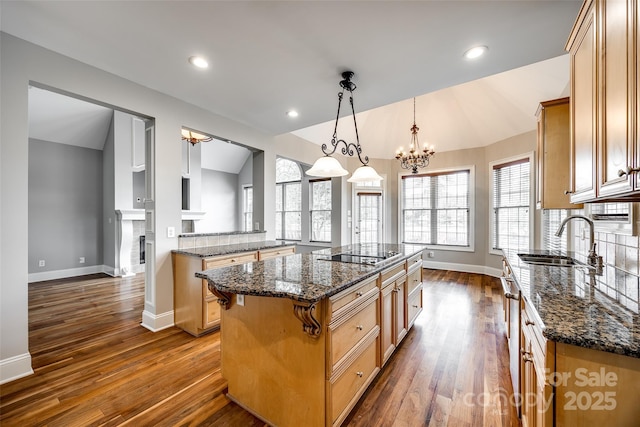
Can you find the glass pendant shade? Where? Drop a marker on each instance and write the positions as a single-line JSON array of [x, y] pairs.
[[327, 167], [365, 173]]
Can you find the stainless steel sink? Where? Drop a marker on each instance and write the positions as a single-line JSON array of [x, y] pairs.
[[553, 260]]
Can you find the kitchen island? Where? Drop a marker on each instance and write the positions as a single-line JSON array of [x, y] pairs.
[[304, 335], [579, 343]]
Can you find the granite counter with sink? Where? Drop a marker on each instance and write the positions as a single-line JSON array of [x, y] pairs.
[[578, 306]]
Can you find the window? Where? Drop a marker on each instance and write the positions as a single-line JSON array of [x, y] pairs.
[[320, 210], [247, 207], [551, 219], [511, 187], [288, 200], [436, 208]]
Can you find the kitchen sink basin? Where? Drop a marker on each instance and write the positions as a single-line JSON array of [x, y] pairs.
[[553, 260]]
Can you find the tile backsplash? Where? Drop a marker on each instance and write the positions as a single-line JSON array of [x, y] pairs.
[[617, 250], [199, 240]]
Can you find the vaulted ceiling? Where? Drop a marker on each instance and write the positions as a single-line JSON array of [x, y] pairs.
[[269, 57]]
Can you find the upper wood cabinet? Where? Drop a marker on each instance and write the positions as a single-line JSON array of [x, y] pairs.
[[604, 107], [553, 153]]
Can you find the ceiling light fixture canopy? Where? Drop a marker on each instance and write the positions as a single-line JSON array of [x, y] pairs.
[[194, 137], [414, 159], [329, 167]]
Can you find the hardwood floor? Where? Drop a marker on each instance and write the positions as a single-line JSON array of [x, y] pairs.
[[95, 365]]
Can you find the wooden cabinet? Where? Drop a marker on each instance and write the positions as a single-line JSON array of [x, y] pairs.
[[196, 309], [352, 347], [604, 103], [275, 252], [414, 294], [392, 314], [537, 360], [554, 156], [596, 388], [582, 48]]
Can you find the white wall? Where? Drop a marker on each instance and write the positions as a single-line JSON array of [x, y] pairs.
[[23, 63]]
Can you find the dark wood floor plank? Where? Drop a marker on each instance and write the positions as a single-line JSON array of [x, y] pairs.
[[95, 365]]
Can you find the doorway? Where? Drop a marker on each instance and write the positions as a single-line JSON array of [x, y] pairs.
[[90, 189], [368, 214]]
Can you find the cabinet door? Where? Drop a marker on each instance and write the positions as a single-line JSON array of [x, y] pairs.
[[528, 386], [386, 322], [616, 73], [583, 106], [400, 307]]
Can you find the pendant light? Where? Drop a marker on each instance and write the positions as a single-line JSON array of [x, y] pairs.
[[194, 137], [329, 167]]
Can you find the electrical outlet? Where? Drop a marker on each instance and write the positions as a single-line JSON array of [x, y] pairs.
[[81, 260], [171, 232], [431, 254], [240, 299], [256, 226], [41, 263]]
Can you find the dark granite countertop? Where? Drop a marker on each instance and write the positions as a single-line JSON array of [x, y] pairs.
[[221, 233], [576, 306], [302, 277], [207, 251]]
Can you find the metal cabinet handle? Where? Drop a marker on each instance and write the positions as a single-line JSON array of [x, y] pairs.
[[415, 306], [360, 374], [527, 357], [569, 192], [529, 322], [233, 260], [359, 327], [358, 294], [627, 171]]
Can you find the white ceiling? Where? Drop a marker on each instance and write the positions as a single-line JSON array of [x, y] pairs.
[[268, 57], [66, 120]]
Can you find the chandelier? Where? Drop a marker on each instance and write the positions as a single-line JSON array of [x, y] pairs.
[[328, 166], [414, 159], [194, 137]]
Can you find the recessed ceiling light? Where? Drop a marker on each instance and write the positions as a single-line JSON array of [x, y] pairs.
[[475, 52], [199, 62], [292, 113]]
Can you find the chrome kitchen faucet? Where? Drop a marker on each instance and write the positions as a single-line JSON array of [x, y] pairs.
[[592, 258]]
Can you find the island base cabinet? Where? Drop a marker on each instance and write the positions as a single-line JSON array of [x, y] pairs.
[[274, 370], [596, 388]]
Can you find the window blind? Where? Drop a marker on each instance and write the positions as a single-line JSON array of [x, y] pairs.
[[551, 219], [435, 208], [511, 204]]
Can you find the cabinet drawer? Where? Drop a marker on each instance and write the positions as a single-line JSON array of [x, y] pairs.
[[349, 386], [225, 260], [275, 252], [414, 306], [211, 312], [414, 280], [355, 293], [529, 322], [389, 274], [345, 335], [414, 260]]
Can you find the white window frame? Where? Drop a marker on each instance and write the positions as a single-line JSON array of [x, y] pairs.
[[472, 208], [311, 210], [244, 207], [532, 180]]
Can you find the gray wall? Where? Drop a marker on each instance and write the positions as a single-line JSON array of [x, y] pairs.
[[138, 190], [65, 206], [23, 64], [219, 199]]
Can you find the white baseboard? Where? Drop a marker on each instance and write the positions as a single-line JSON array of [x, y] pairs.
[[70, 272], [15, 367], [464, 268], [157, 322]]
